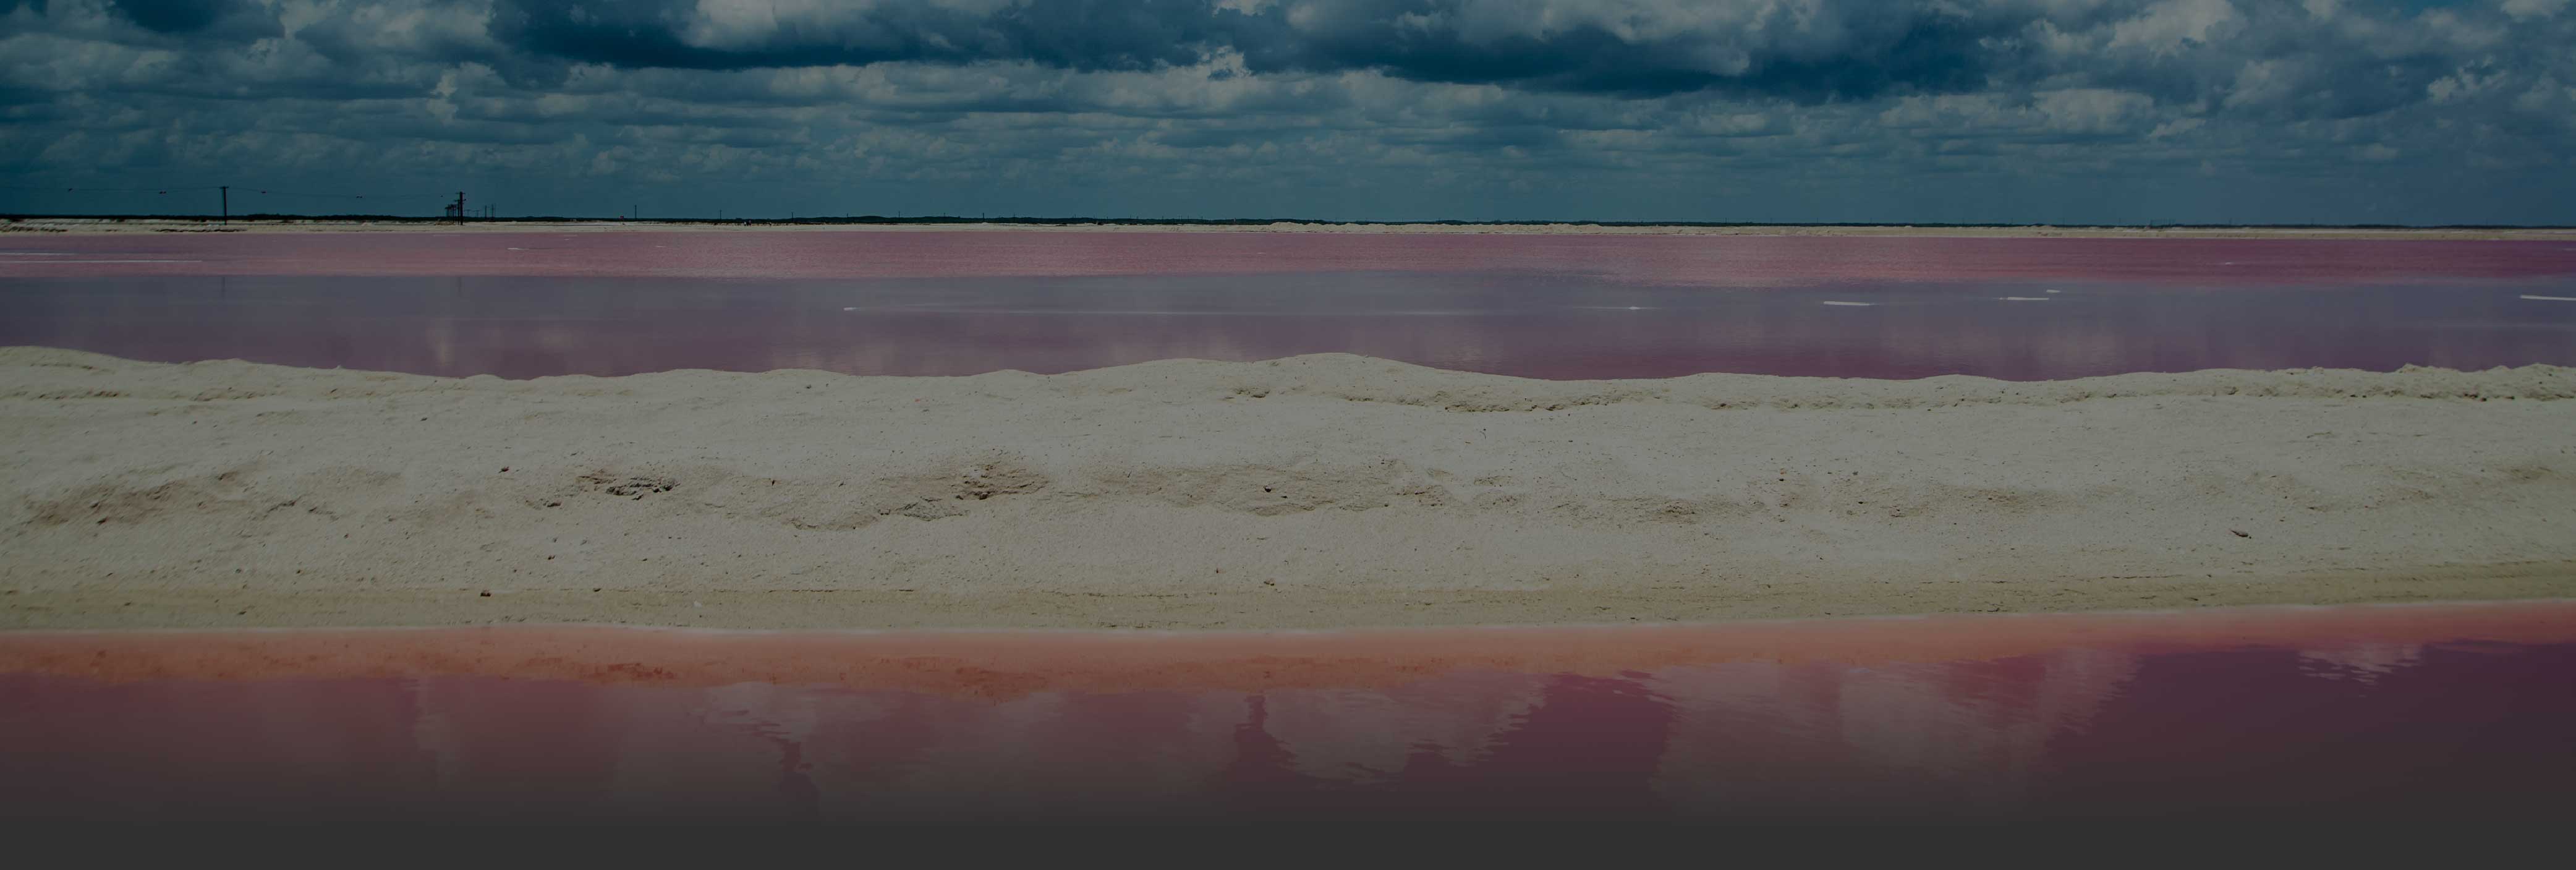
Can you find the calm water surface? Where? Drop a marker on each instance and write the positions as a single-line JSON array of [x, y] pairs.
[[921, 303], [2428, 717]]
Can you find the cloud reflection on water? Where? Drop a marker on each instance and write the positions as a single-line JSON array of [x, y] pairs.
[[2070, 731], [1502, 324]]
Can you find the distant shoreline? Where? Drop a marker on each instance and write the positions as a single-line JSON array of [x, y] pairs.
[[136, 224]]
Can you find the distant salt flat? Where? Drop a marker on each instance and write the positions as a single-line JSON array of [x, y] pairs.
[[2550, 298], [2024, 298], [1852, 304], [60, 262], [1156, 312]]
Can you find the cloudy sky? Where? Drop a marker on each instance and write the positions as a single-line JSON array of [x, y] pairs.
[[2341, 111]]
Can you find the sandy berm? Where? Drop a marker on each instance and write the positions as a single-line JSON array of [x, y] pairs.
[[1312, 492]]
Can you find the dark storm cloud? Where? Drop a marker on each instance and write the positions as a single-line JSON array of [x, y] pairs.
[[237, 18], [172, 16], [1806, 51], [1836, 48], [1643, 108], [1068, 34]]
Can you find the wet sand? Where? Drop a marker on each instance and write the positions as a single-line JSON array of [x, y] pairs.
[[1314, 492]]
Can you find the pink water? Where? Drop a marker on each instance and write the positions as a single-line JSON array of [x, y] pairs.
[[2427, 718], [1744, 261], [2422, 714], [941, 303]]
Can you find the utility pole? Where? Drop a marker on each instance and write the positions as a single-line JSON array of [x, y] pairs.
[[227, 200]]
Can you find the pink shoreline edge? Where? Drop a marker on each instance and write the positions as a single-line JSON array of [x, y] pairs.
[[994, 664]]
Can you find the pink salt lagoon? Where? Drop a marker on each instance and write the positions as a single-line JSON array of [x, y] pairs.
[[2426, 713], [2417, 713], [952, 303]]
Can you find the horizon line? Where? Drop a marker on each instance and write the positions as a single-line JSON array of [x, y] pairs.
[[1240, 221]]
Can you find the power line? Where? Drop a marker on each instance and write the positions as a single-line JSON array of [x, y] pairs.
[[441, 196]]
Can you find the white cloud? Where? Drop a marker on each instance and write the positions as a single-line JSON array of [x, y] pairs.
[[2527, 9], [2175, 127], [2174, 26], [2093, 110]]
